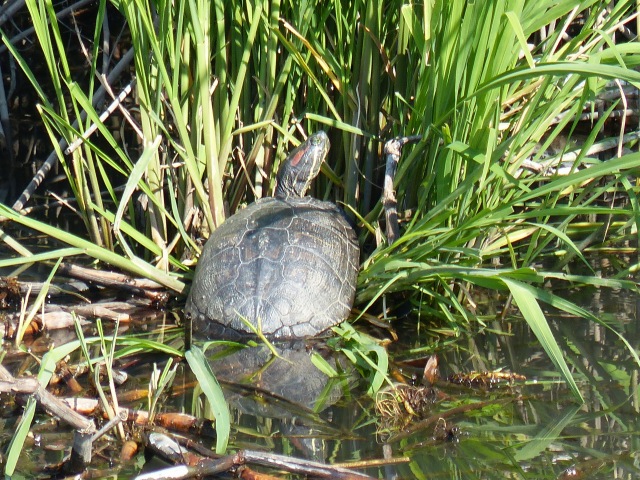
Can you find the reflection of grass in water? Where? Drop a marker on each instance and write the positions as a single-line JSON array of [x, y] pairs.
[[534, 425]]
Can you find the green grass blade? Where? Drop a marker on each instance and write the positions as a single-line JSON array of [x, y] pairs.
[[37, 303], [548, 435], [532, 313], [212, 390], [95, 251], [136, 175], [41, 257], [359, 349], [47, 369], [16, 445]]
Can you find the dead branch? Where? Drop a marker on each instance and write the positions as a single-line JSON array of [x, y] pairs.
[[192, 466], [98, 98], [84, 428], [392, 151]]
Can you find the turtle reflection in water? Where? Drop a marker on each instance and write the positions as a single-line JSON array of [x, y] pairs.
[[286, 264], [288, 389]]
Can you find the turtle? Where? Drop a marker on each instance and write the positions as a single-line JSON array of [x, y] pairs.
[[285, 266]]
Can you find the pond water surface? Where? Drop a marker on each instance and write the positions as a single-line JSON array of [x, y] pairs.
[[522, 427]]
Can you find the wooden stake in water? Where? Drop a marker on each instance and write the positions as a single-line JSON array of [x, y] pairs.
[[392, 151]]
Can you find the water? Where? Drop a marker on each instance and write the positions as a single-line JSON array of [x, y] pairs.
[[529, 428], [541, 432]]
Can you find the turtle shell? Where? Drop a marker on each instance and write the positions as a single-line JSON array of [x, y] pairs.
[[286, 265]]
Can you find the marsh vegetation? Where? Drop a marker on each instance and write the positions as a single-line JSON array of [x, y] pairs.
[[150, 123]]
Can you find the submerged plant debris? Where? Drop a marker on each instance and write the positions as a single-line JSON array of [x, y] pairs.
[[486, 380], [402, 406], [9, 292]]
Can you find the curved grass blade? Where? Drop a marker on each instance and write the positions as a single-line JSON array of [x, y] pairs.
[[559, 69], [548, 435], [134, 177], [41, 257], [573, 309], [212, 390], [358, 349], [37, 304], [538, 323], [17, 442]]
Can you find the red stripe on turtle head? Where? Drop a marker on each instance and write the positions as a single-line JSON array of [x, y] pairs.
[[296, 156]]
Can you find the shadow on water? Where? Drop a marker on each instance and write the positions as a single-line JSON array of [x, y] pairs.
[[480, 427]]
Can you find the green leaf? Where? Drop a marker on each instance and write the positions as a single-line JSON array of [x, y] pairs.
[[535, 318], [547, 436], [47, 369], [212, 390], [322, 365], [17, 441], [360, 348]]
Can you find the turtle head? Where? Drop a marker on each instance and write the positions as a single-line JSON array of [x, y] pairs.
[[302, 166]]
